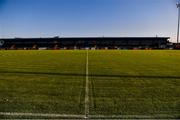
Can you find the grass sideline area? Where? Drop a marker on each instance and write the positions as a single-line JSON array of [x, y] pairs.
[[121, 83], [42, 82]]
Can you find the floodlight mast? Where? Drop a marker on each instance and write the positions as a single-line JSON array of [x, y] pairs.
[[178, 6]]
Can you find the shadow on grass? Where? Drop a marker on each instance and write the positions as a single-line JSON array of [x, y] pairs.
[[91, 75]]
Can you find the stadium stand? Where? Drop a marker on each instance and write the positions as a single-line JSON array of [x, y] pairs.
[[85, 43]]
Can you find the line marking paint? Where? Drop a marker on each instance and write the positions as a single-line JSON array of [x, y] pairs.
[[41, 115], [71, 116], [87, 87]]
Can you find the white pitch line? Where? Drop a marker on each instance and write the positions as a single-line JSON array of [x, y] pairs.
[[87, 87], [160, 116], [40, 115], [90, 116]]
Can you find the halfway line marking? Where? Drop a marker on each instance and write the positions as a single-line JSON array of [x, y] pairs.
[[87, 87]]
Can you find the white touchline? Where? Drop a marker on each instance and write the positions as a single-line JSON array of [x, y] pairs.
[[82, 116], [87, 87], [40, 115]]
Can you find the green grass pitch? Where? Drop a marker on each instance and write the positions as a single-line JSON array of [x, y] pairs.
[[121, 83]]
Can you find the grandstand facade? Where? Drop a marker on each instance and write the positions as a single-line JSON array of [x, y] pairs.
[[85, 43]]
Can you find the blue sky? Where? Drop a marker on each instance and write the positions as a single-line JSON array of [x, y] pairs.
[[67, 18]]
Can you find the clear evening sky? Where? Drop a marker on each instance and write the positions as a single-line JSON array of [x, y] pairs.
[[93, 18]]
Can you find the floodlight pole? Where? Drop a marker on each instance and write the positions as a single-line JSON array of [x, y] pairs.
[[178, 6]]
